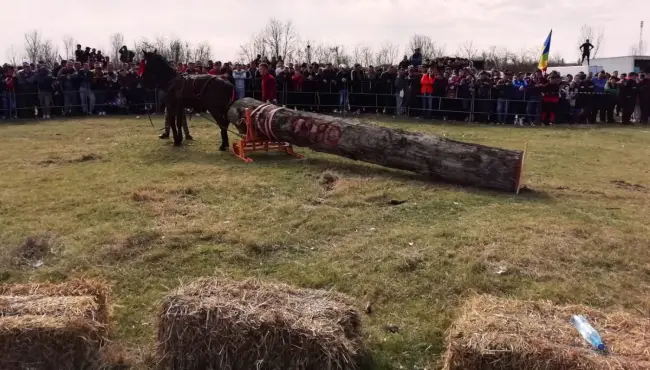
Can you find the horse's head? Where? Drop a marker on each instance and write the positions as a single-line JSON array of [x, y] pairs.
[[154, 69]]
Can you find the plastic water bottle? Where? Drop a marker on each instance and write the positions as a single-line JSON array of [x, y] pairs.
[[587, 331]]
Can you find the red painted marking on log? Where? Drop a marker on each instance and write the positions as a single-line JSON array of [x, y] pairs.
[[316, 132]]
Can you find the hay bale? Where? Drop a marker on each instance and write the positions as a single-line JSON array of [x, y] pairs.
[[73, 288], [221, 324], [52, 326], [49, 342], [79, 306], [503, 334]]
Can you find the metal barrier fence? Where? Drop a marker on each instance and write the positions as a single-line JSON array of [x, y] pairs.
[[460, 103]]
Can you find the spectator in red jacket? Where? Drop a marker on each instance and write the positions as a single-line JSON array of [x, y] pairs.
[[9, 102], [298, 79], [268, 84]]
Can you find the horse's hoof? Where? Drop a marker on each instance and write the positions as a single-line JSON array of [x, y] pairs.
[[163, 136], [189, 137], [223, 148], [178, 144]]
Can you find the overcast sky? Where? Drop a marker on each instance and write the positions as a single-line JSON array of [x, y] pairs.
[[515, 24]]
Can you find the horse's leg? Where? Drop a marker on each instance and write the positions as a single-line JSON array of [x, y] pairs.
[[222, 122], [170, 117], [180, 118], [186, 128], [224, 139], [173, 116]]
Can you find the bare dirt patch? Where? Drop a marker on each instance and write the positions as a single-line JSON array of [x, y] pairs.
[[33, 251], [87, 157], [133, 245], [139, 243], [328, 179], [622, 184], [50, 161], [147, 194]]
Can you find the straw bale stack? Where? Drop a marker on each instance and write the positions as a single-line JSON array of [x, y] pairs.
[[52, 326], [222, 324], [504, 334]]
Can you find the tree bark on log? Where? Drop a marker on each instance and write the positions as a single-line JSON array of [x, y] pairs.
[[433, 156]]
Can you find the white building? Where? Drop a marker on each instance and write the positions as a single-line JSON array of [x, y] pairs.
[[621, 64]]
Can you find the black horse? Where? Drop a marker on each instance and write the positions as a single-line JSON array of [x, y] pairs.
[[188, 91]]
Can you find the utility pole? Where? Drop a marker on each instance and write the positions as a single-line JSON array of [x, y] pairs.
[[640, 52]]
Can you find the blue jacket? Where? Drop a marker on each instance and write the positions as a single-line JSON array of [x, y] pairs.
[[599, 84], [519, 95]]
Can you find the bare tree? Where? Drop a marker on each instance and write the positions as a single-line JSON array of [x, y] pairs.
[[300, 54], [387, 54], [367, 55], [356, 53], [68, 46], [339, 55], [12, 55], [48, 52], [596, 37], [33, 45], [467, 51], [497, 57], [254, 47], [428, 48], [176, 50], [189, 52], [203, 52], [162, 46], [116, 42], [322, 53], [524, 60], [556, 60], [634, 49], [280, 38], [139, 46]]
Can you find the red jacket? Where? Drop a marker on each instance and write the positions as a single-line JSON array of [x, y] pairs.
[[298, 81], [268, 88], [10, 82]]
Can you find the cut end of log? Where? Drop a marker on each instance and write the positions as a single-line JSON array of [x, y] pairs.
[[520, 170]]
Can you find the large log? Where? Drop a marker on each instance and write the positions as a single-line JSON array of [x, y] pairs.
[[429, 155]]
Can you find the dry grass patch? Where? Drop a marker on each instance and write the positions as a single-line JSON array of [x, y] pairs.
[[215, 323], [507, 334]]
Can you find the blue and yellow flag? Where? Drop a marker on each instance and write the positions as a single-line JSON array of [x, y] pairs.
[[543, 60]]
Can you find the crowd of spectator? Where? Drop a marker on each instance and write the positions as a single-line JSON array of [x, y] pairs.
[[443, 88]]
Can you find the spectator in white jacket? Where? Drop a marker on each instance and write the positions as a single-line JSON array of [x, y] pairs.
[[239, 75]]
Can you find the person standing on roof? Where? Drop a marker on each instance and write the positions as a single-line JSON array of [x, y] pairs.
[[586, 51]]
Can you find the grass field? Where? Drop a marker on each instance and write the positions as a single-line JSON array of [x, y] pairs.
[[113, 201]]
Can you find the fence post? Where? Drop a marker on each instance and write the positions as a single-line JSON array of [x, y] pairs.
[[471, 108]]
